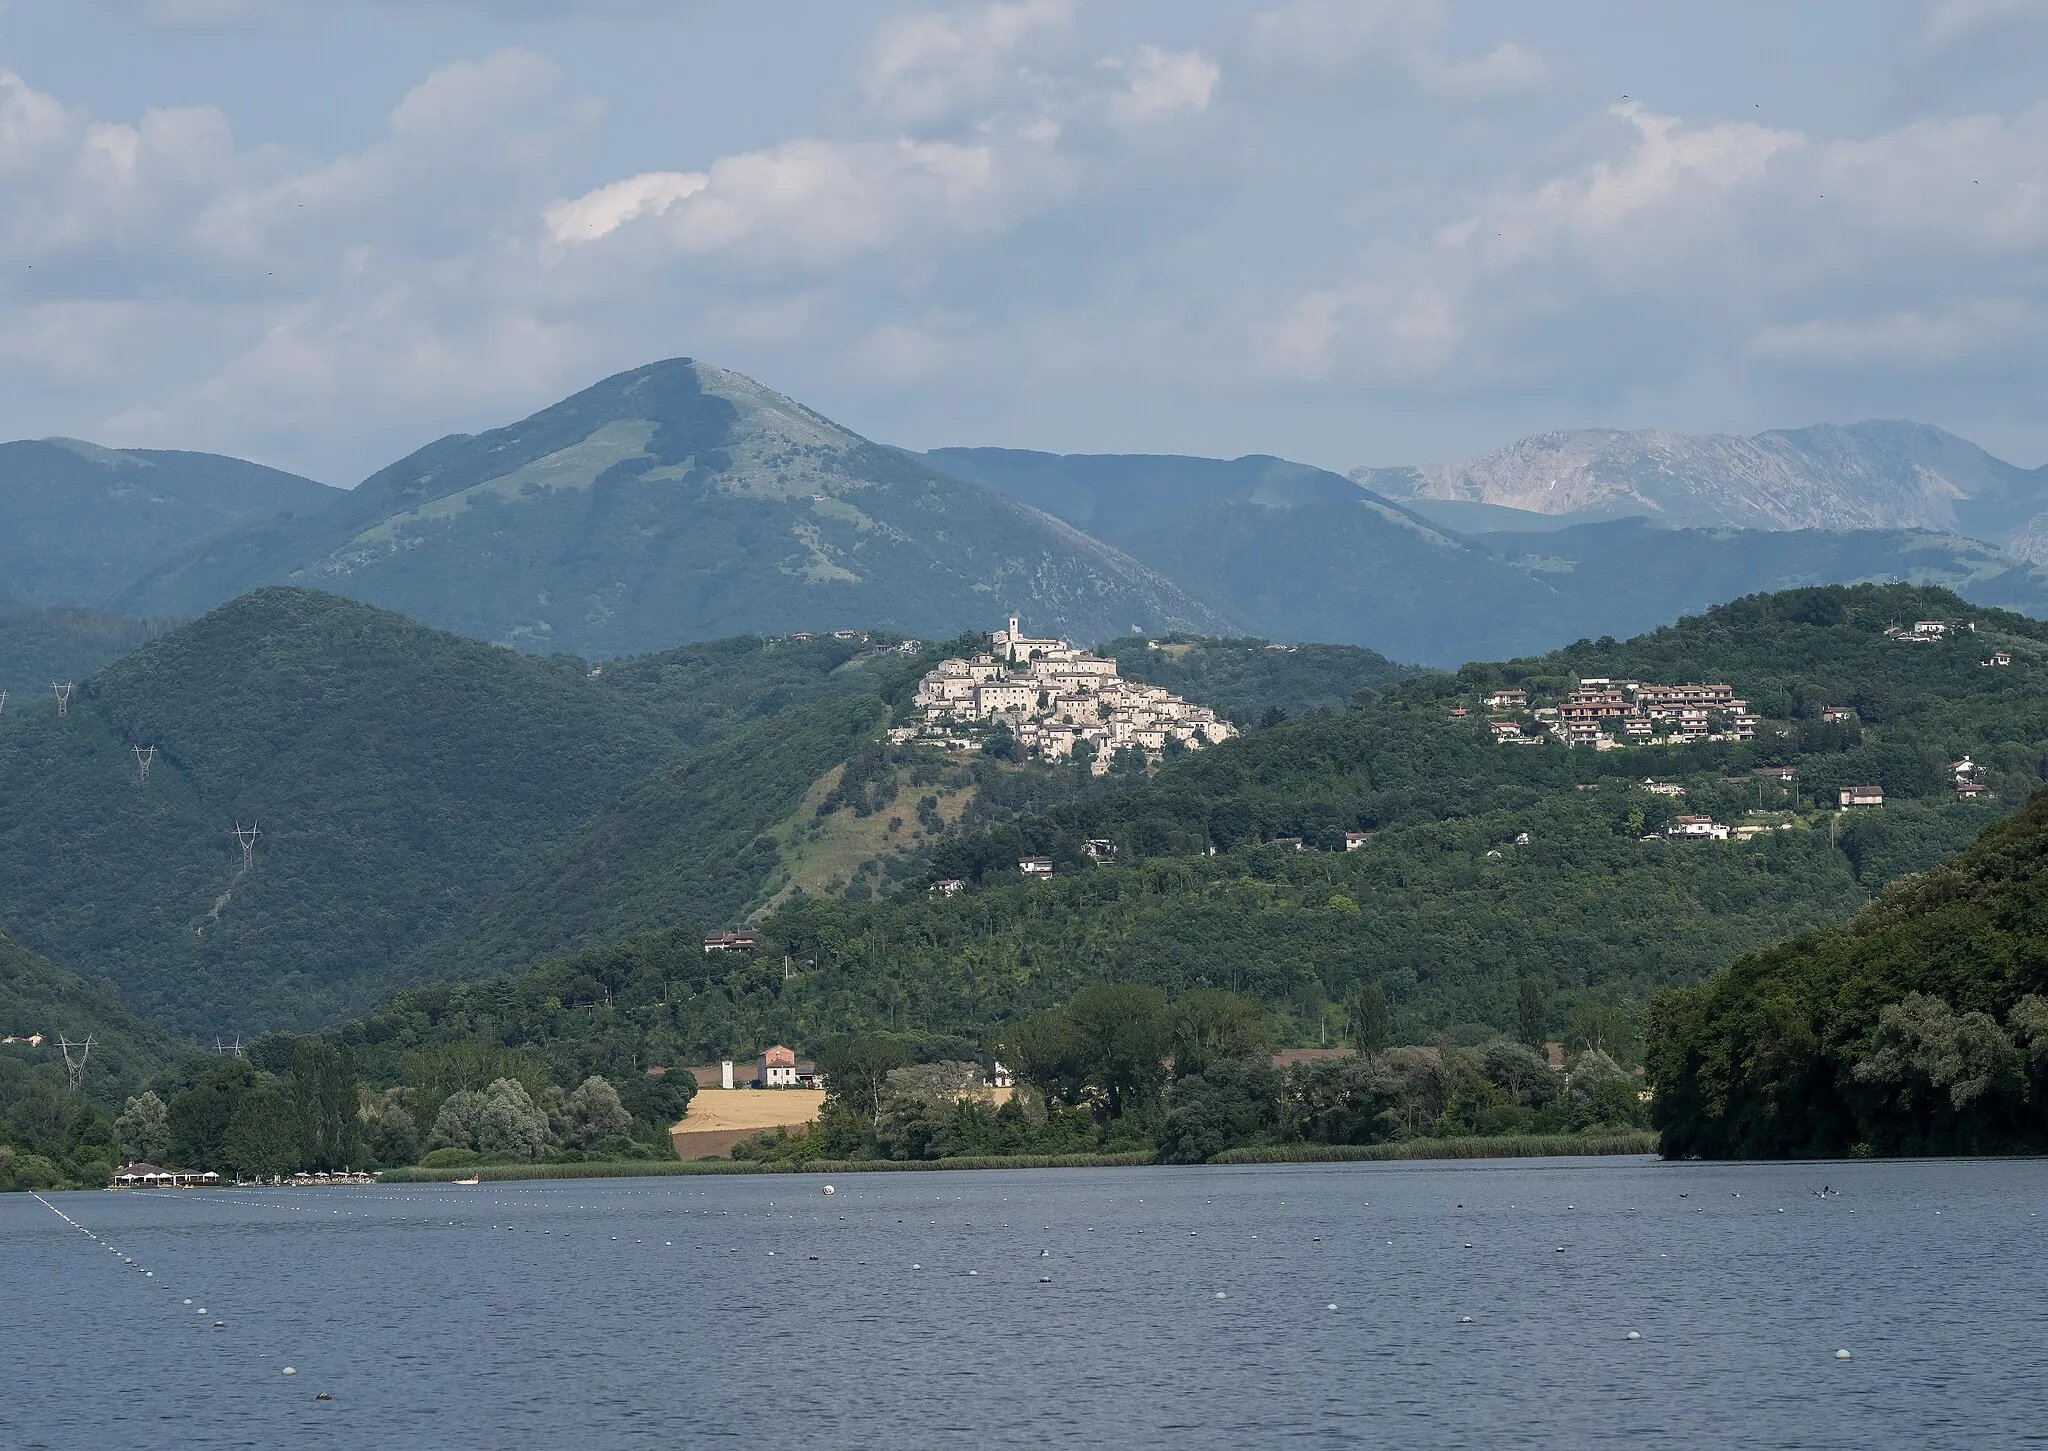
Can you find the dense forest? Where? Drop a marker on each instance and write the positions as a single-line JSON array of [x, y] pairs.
[[1919, 1028]]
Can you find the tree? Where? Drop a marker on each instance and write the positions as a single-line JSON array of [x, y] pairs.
[[508, 1125], [325, 1092], [590, 1113], [1343, 1100], [455, 1126], [264, 1138], [1372, 1020], [858, 1067], [144, 1128], [393, 1139], [1233, 1102], [1210, 1025], [199, 1116], [1530, 1014], [1121, 1029]]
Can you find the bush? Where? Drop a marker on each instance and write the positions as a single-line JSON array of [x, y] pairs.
[[451, 1159]]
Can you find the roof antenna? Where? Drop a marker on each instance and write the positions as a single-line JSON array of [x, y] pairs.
[[63, 698], [143, 756]]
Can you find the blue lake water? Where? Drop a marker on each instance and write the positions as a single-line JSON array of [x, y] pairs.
[[690, 1311]]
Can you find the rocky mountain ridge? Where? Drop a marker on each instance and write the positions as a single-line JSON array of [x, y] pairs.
[[1879, 474]]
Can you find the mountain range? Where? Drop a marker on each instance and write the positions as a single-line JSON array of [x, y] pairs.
[[683, 502], [1879, 474], [78, 522], [678, 502]]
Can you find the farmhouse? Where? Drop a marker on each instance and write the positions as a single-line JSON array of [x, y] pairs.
[[741, 941], [1854, 796]]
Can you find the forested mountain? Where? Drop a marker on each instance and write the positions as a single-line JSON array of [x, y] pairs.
[[39, 646], [1921, 1027], [78, 521], [1300, 555], [394, 773], [680, 502], [1881, 474], [1489, 872], [1245, 679], [51, 1136]]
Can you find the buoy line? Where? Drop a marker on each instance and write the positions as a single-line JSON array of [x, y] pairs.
[[202, 1311]]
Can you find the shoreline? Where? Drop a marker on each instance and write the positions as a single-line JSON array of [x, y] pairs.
[[1532, 1147]]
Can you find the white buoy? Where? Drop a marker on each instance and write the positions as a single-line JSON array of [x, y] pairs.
[[1633, 1335], [1221, 1296], [1045, 1279], [830, 1190], [1464, 1319], [1331, 1306], [287, 1371], [1843, 1355], [917, 1267]]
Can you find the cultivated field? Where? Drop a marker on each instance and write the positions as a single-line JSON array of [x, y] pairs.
[[721, 1117]]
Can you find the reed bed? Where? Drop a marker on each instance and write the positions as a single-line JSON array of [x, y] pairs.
[[1519, 1146]]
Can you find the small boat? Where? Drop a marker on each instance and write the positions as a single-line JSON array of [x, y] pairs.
[[472, 1179]]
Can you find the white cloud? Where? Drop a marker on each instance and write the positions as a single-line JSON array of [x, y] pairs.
[[1163, 84], [921, 67], [1914, 250], [464, 95], [1951, 20], [1388, 37], [601, 212]]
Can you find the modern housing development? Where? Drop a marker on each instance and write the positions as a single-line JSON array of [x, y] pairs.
[[1603, 714], [1056, 699]]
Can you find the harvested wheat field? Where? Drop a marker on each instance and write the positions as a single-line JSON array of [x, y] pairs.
[[721, 1117]]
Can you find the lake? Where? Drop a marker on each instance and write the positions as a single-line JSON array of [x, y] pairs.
[[1482, 1304]]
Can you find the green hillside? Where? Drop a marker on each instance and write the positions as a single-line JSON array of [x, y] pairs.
[[1919, 1028], [51, 1137], [396, 775], [78, 521], [1243, 679], [680, 502], [1490, 871], [39, 646], [686, 845]]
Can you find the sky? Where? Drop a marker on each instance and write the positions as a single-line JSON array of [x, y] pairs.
[[322, 233]]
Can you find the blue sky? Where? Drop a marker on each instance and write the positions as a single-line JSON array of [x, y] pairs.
[[323, 232]]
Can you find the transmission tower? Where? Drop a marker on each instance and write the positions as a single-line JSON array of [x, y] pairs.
[[63, 697], [143, 756], [247, 835], [3, 702], [74, 1068], [228, 1050]]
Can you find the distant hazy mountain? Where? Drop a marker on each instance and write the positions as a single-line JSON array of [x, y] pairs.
[[1873, 475], [1296, 552], [681, 502], [1301, 554], [78, 521]]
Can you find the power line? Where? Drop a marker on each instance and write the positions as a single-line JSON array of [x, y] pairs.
[[247, 835], [74, 1068]]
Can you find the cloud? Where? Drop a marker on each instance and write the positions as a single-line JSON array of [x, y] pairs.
[[1915, 250], [1162, 85], [924, 66], [464, 95], [601, 212], [1951, 20], [1396, 38]]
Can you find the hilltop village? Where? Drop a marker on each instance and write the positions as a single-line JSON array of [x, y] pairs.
[[1058, 701]]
